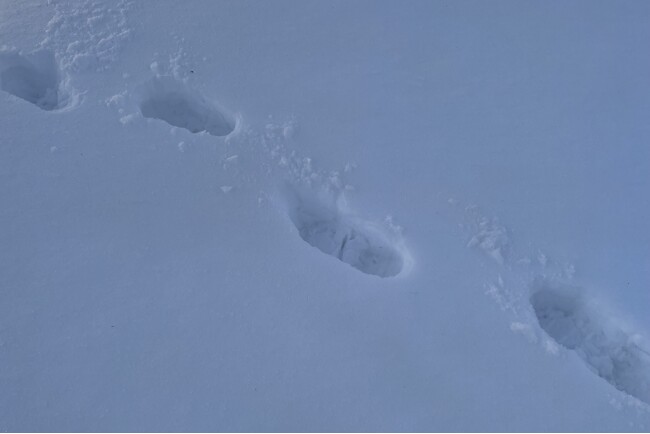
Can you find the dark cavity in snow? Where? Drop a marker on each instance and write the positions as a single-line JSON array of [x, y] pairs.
[[364, 245], [172, 101], [34, 78], [609, 351]]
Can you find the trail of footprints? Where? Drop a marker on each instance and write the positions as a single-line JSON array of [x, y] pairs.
[[365, 246], [562, 311]]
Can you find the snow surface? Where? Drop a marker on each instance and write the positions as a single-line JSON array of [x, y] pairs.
[[310, 215]]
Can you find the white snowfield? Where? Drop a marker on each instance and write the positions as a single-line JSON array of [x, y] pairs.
[[282, 216]]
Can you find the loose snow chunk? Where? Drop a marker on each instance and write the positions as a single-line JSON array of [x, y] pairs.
[[524, 329], [492, 239]]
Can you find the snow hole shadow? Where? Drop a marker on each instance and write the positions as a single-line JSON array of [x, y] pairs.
[[35, 78], [610, 352], [172, 101], [322, 223]]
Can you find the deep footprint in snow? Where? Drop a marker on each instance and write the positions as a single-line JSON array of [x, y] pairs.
[[367, 246], [609, 351], [172, 101], [34, 77]]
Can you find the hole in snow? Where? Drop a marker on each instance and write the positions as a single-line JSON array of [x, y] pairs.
[[33, 77], [609, 351], [172, 101], [366, 246]]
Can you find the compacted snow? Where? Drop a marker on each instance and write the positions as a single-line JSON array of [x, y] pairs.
[[324, 216]]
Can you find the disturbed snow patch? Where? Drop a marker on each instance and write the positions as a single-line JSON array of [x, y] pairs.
[[35, 78], [492, 238], [172, 101], [613, 354], [88, 35], [323, 223]]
